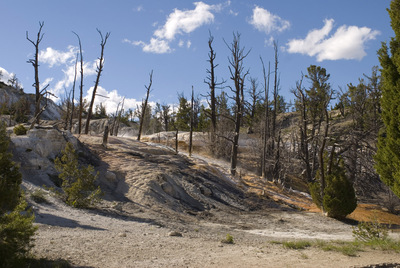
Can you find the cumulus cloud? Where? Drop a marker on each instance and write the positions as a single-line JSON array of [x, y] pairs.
[[54, 57], [179, 22], [348, 42], [5, 75], [155, 45], [265, 21], [111, 100], [66, 60], [186, 21]]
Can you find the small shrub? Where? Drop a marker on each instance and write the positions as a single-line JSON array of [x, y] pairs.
[[228, 239], [368, 231], [296, 244], [77, 182], [20, 130], [38, 196]]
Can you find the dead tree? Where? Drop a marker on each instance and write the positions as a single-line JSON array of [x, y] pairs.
[[191, 124], [39, 93], [275, 95], [301, 102], [105, 137], [73, 95], [119, 116], [238, 77], [266, 130], [212, 83], [80, 88], [100, 66], [165, 116], [144, 105]]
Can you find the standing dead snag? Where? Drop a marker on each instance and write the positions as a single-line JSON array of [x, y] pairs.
[[212, 83], [191, 124], [144, 105], [238, 76], [266, 130], [100, 66], [35, 63], [80, 88]]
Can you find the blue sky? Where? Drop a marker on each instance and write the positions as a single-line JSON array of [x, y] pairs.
[[170, 38]]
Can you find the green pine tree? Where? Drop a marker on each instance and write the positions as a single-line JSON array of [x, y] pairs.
[[16, 226], [77, 182], [339, 198], [388, 155]]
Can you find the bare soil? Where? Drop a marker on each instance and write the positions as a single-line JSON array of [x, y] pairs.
[[163, 209]]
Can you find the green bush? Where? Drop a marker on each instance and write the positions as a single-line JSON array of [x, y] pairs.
[[228, 239], [368, 231], [20, 130], [38, 196], [16, 224], [77, 182], [339, 198]]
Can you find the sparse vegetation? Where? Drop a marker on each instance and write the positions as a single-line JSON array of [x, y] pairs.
[[39, 196], [302, 244], [228, 239], [368, 231], [20, 130]]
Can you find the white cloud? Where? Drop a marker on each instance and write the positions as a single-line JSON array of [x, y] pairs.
[[233, 12], [5, 75], [348, 42], [156, 45], [179, 22], [181, 43], [139, 8], [188, 44], [53, 57], [265, 21], [111, 100]]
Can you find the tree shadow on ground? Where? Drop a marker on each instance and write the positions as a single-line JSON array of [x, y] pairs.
[[48, 219]]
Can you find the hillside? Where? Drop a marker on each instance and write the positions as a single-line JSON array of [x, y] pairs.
[[165, 209]]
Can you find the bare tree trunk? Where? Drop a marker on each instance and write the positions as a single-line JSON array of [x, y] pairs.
[[119, 118], [73, 95], [105, 136], [144, 105], [80, 88], [266, 129], [99, 70], [176, 140], [35, 64], [212, 84], [321, 158], [191, 124], [238, 77], [275, 94]]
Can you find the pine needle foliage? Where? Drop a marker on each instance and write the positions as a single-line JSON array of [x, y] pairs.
[[388, 154], [16, 223], [78, 183]]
